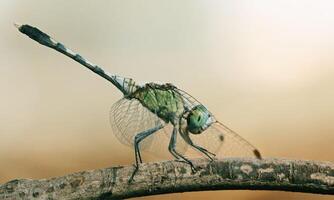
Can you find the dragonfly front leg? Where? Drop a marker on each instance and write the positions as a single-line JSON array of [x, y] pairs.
[[177, 155], [138, 138], [187, 139], [204, 151]]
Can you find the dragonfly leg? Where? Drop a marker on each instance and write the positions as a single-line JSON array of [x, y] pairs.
[[171, 147], [188, 140], [177, 155], [204, 151], [138, 138]]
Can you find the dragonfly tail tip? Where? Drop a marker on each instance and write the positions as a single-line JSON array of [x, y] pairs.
[[17, 25]]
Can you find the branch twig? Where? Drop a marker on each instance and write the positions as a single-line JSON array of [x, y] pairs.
[[173, 176]]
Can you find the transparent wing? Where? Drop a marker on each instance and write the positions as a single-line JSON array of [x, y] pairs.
[[218, 138], [224, 142], [188, 100], [128, 117]]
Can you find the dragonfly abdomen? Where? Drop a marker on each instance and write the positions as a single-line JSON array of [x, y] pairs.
[[125, 85]]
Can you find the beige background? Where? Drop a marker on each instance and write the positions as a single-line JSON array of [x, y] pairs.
[[264, 68]]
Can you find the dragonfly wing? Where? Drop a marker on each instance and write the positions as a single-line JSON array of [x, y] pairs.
[[218, 138], [128, 117], [224, 142]]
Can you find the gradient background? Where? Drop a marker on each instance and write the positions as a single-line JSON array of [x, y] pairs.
[[264, 68]]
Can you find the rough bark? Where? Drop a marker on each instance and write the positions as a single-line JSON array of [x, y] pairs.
[[173, 176]]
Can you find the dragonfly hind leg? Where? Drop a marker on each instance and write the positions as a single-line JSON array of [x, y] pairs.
[[177, 155], [138, 138]]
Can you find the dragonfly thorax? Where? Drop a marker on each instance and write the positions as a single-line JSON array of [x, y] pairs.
[[162, 100]]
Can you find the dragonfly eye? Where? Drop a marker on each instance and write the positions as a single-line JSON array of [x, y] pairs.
[[197, 119]]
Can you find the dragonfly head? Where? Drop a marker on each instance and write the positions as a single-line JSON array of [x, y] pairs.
[[199, 119]]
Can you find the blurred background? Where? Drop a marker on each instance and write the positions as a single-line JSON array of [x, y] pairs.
[[265, 68]]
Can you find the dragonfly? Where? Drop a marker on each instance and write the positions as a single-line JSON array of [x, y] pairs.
[[148, 109]]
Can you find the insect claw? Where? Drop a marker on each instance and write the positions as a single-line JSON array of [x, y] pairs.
[[133, 173], [208, 152], [212, 159], [193, 169]]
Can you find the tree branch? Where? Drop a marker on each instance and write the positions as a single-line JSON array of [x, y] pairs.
[[173, 176]]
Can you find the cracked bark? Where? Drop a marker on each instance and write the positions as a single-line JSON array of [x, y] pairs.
[[172, 177]]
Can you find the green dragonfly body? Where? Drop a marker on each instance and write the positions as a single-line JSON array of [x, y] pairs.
[[147, 109], [163, 100]]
